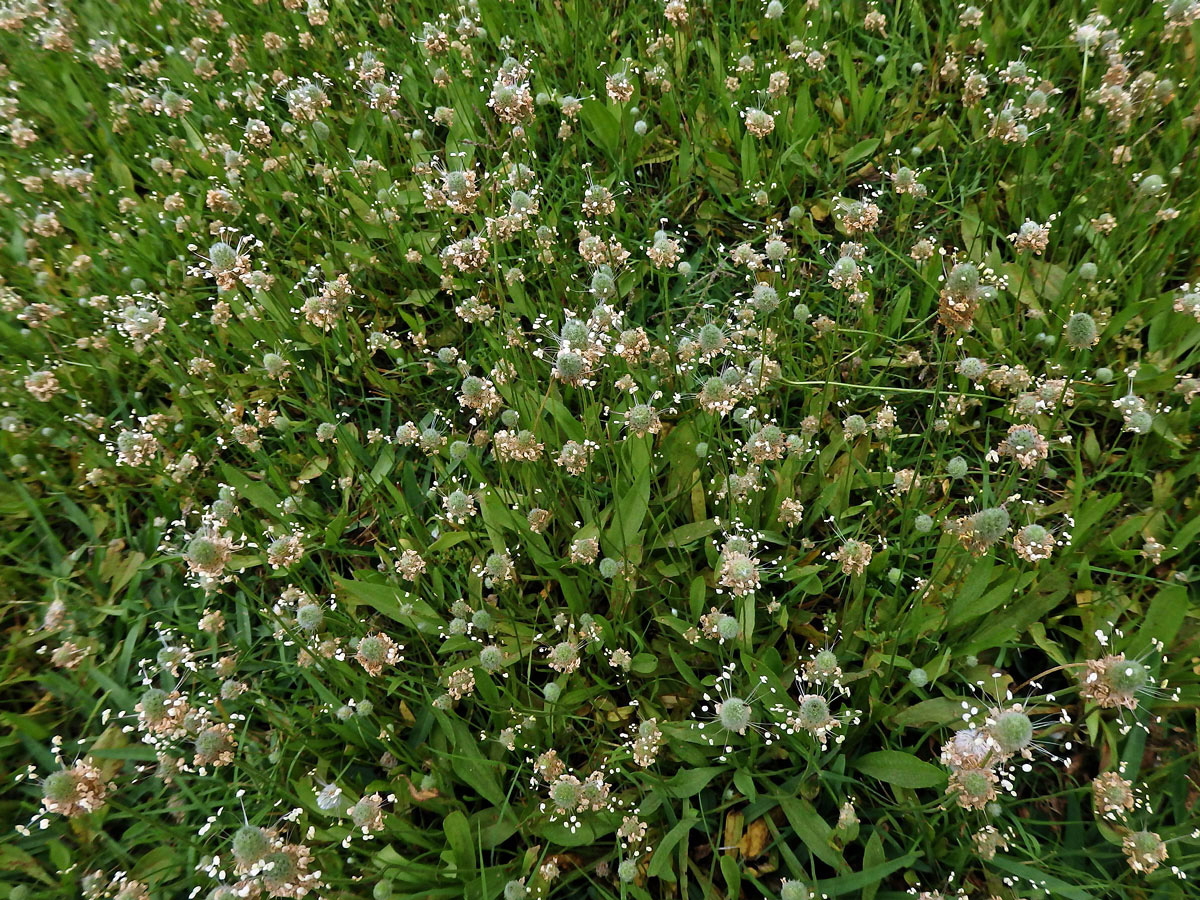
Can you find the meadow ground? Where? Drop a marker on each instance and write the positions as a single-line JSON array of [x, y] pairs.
[[561, 449]]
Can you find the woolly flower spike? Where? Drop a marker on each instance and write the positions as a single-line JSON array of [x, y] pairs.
[[904, 181], [845, 273], [564, 657], [642, 419], [458, 189], [569, 796], [646, 744], [1188, 387], [1024, 444], [227, 264], [665, 250], [711, 339], [460, 683], [676, 12], [467, 254], [853, 556], [43, 385], [214, 746], [571, 366], [480, 394], [74, 791], [960, 297], [367, 813], [814, 713], [1112, 795], [518, 446], [823, 667], [250, 845], [1144, 850], [498, 568], [619, 86], [376, 651], [970, 748], [574, 456], [511, 98], [738, 572], [285, 551], [324, 310], [1188, 301], [988, 840], [1012, 730], [208, 553], [795, 890], [1081, 331], [1114, 681], [856, 216], [565, 793], [717, 395], [136, 448], [1034, 543], [310, 616], [598, 201], [984, 529], [759, 122], [1032, 236], [731, 714], [791, 511], [720, 626], [285, 872], [734, 714], [973, 788], [160, 713]]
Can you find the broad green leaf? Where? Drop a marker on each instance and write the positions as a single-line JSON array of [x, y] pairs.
[[873, 857], [866, 879], [690, 782], [458, 835], [901, 769], [602, 126], [938, 711], [811, 829], [660, 863]]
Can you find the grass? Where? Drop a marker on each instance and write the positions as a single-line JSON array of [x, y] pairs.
[[770, 472]]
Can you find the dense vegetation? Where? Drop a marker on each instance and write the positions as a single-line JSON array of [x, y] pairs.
[[578, 449]]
